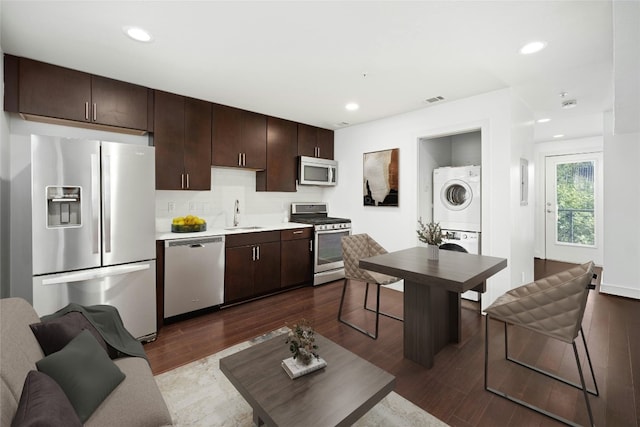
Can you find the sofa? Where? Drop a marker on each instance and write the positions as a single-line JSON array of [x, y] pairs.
[[134, 401]]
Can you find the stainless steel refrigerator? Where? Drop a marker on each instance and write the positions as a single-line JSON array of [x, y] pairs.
[[93, 228]]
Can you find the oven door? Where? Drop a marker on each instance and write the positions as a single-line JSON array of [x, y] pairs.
[[328, 249]]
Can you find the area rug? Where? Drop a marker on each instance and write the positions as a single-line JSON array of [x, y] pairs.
[[199, 394]]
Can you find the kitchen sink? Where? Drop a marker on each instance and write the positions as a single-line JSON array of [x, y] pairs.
[[250, 227]]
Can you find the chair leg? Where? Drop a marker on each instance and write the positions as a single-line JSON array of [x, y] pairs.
[[366, 295], [582, 386], [377, 310], [354, 326]]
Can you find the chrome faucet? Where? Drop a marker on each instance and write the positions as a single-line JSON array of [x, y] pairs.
[[236, 214]]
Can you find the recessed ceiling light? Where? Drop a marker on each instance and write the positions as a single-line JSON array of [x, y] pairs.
[[532, 47], [560, 135], [352, 106], [544, 120], [137, 34]]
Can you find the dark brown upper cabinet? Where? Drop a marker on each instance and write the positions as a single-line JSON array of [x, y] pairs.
[[61, 94], [315, 142], [282, 151], [182, 137], [239, 138]]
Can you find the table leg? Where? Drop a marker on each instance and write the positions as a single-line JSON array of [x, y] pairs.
[[431, 321]]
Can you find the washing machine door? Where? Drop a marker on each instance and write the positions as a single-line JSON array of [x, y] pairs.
[[453, 247], [456, 195]]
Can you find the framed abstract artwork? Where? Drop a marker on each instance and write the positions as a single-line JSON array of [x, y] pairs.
[[381, 178]]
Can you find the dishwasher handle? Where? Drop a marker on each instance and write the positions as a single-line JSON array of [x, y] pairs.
[[198, 242]]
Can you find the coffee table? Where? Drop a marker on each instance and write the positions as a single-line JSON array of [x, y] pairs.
[[337, 395]]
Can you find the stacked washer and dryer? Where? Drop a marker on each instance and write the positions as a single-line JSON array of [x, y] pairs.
[[457, 207]]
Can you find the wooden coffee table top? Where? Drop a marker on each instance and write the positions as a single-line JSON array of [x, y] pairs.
[[336, 395]]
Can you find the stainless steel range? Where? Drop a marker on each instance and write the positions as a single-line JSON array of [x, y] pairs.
[[328, 264]]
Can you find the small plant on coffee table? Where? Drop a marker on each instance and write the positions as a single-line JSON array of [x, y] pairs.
[[301, 340]]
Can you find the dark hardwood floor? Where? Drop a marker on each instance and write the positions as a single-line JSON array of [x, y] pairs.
[[453, 389]]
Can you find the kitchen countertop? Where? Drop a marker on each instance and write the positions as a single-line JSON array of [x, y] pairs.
[[168, 235]]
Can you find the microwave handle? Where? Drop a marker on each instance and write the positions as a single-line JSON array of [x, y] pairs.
[[332, 175]]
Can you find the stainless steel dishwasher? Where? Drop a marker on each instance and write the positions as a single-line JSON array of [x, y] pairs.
[[193, 274]]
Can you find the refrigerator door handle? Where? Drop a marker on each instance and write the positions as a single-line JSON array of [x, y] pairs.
[[106, 201], [94, 274], [95, 203]]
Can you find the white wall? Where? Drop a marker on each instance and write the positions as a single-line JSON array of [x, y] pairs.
[[4, 190], [394, 227], [522, 216], [621, 275]]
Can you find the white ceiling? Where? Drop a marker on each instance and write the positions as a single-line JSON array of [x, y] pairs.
[[305, 60]]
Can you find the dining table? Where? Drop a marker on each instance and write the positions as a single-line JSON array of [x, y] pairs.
[[432, 289]]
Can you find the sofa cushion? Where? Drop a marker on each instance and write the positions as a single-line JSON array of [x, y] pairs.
[[137, 401], [18, 355], [44, 404], [53, 335], [84, 371]]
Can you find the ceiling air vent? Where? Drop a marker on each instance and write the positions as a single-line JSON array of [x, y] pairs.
[[434, 99], [342, 124]]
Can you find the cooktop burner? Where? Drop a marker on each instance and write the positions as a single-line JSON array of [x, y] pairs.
[[320, 220]]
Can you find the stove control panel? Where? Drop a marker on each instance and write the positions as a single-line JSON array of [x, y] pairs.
[[342, 225]]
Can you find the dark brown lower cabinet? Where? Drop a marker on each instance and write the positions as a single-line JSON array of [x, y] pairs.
[[296, 264], [252, 265]]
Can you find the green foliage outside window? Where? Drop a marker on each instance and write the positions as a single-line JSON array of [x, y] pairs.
[[575, 200]]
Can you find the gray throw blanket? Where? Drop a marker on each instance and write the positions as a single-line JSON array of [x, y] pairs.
[[106, 319]]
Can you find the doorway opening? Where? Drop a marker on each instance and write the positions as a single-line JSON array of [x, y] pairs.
[[573, 208], [455, 149]]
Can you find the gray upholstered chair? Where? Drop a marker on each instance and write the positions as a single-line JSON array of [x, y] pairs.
[[354, 248], [553, 306]]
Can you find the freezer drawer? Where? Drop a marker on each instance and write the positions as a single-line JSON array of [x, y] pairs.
[[193, 274], [131, 288]]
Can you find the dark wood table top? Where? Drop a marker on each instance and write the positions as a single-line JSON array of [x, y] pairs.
[[337, 395], [454, 271]]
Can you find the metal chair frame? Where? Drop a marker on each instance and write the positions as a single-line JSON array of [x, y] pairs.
[[374, 334], [582, 386]]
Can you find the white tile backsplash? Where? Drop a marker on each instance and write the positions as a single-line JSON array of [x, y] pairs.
[[227, 186]]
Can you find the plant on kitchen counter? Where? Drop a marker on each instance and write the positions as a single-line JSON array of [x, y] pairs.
[[301, 340], [430, 233]]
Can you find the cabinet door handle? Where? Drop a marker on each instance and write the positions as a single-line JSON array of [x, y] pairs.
[[310, 245], [253, 253], [239, 159], [244, 159], [86, 111], [298, 232], [182, 181], [95, 112], [188, 186], [258, 253]]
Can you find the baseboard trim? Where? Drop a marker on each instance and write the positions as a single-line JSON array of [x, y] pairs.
[[620, 291]]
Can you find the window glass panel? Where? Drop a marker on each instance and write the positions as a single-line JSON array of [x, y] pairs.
[[575, 200]]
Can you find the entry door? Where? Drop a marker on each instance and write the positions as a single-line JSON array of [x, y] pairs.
[[573, 208]]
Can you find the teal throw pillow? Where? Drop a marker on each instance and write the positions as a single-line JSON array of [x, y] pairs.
[[84, 372]]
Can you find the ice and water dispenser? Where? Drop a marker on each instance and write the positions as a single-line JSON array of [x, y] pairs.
[[63, 207]]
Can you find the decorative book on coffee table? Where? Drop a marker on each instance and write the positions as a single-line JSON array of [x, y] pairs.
[[295, 369]]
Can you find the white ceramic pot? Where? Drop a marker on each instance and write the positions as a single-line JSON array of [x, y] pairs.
[[433, 252]]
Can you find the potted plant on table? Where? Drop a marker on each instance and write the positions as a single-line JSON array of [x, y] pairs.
[[301, 340], [431, 234]]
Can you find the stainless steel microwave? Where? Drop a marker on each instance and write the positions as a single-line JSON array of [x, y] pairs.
[[316, 171]]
